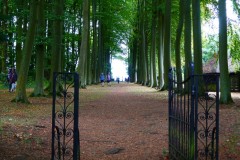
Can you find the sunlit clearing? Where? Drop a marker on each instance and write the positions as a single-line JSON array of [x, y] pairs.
[[119, 69], [211, 27]]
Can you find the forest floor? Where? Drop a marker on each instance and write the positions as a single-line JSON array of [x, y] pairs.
[[123, 122]]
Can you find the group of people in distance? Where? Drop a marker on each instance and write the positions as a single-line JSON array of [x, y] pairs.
[[12, 79], [102, 79], [108, 78]]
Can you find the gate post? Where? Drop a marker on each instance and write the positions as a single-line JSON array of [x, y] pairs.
[[170, 90], [217, 117], [192, 113], [76, 146], [65, 106]]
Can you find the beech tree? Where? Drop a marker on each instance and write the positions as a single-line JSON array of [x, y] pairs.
[[167, 41], [4, 42], [40, 50], [57, 38], [21, 94], [187, 36], [197, 39], [225, 96], [82, 65]]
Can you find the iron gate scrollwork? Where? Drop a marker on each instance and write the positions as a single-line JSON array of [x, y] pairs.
[[193, 117], [65, 132]]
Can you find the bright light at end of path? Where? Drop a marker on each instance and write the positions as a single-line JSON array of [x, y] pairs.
[[119, 69]]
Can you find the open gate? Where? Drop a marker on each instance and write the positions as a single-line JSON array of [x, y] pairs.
[[65, 132], [194, 117]]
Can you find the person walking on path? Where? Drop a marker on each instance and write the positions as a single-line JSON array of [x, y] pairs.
[[102, 78], [118, 80], [12, 80], [8, 79], [109, 79]]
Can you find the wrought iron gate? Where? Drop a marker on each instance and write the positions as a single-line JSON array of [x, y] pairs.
[[194, 117], [65, 132]]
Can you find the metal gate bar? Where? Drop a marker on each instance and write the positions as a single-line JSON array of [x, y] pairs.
[[207, 116], [193, 117], [179, 119], [65, 132]]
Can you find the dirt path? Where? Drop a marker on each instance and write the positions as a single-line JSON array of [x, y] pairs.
[[123, 122], [126, 118]]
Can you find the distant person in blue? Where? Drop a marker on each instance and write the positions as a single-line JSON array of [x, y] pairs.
[[109, 79], [128, 79], [102, 78], [12, 80], [8, 79], [118, 79]]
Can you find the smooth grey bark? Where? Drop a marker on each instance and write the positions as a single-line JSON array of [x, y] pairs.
[[225, 96], [82, 68], [153, 47], [197, 37], [95, 41], [21, 95], [187, 37], [144, 47], [178, 41], [3, 47], [167, 41], [40, 50], [19, 34], [57, 36], [143, 51], [160, 47]]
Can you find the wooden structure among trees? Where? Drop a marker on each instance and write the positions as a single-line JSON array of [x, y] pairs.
[[235, 81]]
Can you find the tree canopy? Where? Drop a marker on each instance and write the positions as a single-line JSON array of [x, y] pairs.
[[83, 36]]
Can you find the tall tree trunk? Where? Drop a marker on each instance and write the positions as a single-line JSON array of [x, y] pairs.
[[197, 37], [10, 46], [143, 51], [80, 33], [49, 24], [167, 41], [57, 34], [69, 43], [225, 96], [90, 55], [160, 47], [40, 50], [19, 35], [178, 41], [132, 65], [84, 44], [144, 46], [100, 41], [73, 55], [94, 46], [21, 95], [153, 47], [187, 37], [130, 60], [146, 54], [3, 47], [139, 44]]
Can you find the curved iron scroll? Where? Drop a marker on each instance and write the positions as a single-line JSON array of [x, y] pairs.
[[207, 116], [65, 133], [193, 117]]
